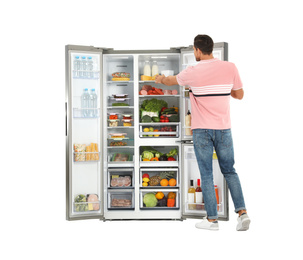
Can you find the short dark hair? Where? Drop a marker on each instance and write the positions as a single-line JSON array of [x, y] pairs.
[[204, 43]]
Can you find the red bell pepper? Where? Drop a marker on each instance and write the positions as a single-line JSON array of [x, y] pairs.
[[171, 159]]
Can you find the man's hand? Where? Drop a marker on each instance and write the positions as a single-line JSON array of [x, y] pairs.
[[237, 94], [159, 78], [168, 81]]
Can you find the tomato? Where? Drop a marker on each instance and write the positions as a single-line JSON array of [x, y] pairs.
[[145, 175]]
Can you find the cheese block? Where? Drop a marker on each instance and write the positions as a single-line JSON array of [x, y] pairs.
[[120, 79], [144, 78]]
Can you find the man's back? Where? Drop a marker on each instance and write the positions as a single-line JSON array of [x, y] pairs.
[[211, 82]]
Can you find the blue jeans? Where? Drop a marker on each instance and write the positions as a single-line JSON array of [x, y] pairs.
[[205, 140]]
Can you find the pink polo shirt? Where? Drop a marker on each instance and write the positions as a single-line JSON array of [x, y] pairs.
[[210, 83]]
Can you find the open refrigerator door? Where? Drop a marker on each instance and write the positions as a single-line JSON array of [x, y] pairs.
[[84, 197], [190, 169]]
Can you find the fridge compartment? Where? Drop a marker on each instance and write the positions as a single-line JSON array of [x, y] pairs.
[[120, 178], [165, 61], [122, 199], [163, 203], [147, 162], [81, 112], [159, 130], [119, 67], [163, 173]]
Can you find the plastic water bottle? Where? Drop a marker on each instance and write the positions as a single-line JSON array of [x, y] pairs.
[[76, 66], [93, 103], [83, 67], [90, 67], [85, 103]]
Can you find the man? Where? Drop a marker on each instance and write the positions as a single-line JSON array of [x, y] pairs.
[[211, 83]]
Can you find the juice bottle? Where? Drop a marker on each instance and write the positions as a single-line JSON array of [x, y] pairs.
[[198, 195], [191, 196]]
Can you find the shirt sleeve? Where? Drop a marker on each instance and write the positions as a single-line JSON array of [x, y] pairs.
[[184, 77], [237, 80]]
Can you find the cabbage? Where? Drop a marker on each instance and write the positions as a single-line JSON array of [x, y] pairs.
[[147, 155], [150, 200]]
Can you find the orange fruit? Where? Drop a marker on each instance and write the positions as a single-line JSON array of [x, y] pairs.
[[164, 182], [172, 182]]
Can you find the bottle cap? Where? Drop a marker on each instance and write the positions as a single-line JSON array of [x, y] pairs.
[[89, 57], [191, 182], [77, 57], [198, 182], [93, 89], [85, 89], [83, 57]]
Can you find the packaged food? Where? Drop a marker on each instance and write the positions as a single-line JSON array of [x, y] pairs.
[[127, 122], [121, 203], [118, 143], [113, 122], [120, 181], [121, 75], [121, 157], [93, 198], [79, 152]]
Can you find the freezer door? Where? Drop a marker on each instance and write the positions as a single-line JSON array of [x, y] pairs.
[[220, 51], [84, 130], [190, 171]]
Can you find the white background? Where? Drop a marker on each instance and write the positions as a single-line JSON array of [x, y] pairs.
[[265, 39]]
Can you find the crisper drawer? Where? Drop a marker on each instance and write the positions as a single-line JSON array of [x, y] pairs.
[[159, 156], [119, 158], [164, 178], [120, 200], [159, 199], [159, 130], [120, 178]]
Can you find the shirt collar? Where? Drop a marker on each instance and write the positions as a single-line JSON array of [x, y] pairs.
[[207, 61]]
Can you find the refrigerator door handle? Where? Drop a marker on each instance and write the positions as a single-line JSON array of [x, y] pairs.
[[65, 118]]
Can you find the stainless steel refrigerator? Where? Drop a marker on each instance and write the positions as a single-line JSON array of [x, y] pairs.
[[107, 176]]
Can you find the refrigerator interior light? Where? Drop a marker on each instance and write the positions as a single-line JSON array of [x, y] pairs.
[[159, 57], [120, 58]]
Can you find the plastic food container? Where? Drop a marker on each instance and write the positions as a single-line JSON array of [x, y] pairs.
[[167, 73], [120, 95]]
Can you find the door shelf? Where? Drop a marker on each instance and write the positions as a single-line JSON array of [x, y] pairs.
[[80, 113], [196, 207], [158, 207], [89, 157], [87, 206], [92, 75]]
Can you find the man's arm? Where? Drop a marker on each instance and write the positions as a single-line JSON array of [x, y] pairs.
[[168, 81], [238, 94]]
